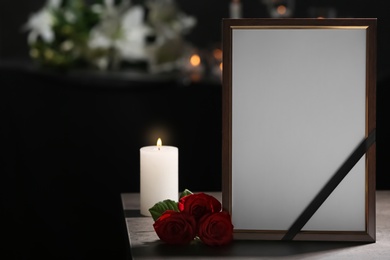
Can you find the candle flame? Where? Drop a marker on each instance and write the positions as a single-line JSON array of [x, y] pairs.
[[159, 143]]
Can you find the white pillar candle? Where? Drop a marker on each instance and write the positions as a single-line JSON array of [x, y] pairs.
[[159, 167]]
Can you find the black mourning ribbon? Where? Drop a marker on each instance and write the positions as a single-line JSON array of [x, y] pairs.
[[330, 186]]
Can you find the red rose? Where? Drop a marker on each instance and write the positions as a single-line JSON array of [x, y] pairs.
[[216, 229], [175, 227], [199, 204]]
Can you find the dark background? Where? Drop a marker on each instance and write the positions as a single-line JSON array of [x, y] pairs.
[[207, 35], [71, 141]]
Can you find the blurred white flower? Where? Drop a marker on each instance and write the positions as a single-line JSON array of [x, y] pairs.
[[184, 23], [104, 33], [108, 33], [98, 39], [70, 17], [132, 43], [167, 19], [40, 25], [169, 25], [109, 3], [125, 32], [97, 8]]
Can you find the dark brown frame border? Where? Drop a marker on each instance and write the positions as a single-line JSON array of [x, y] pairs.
[[369, 235]]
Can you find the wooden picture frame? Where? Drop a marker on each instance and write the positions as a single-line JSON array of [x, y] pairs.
[[299, 120]]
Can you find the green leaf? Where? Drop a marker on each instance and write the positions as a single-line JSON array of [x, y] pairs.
[[185, 193], [160, 207]]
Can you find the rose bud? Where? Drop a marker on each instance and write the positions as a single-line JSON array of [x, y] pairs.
[[199, 204]]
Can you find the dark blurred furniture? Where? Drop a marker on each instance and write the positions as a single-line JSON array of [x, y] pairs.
[[71, 146]]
